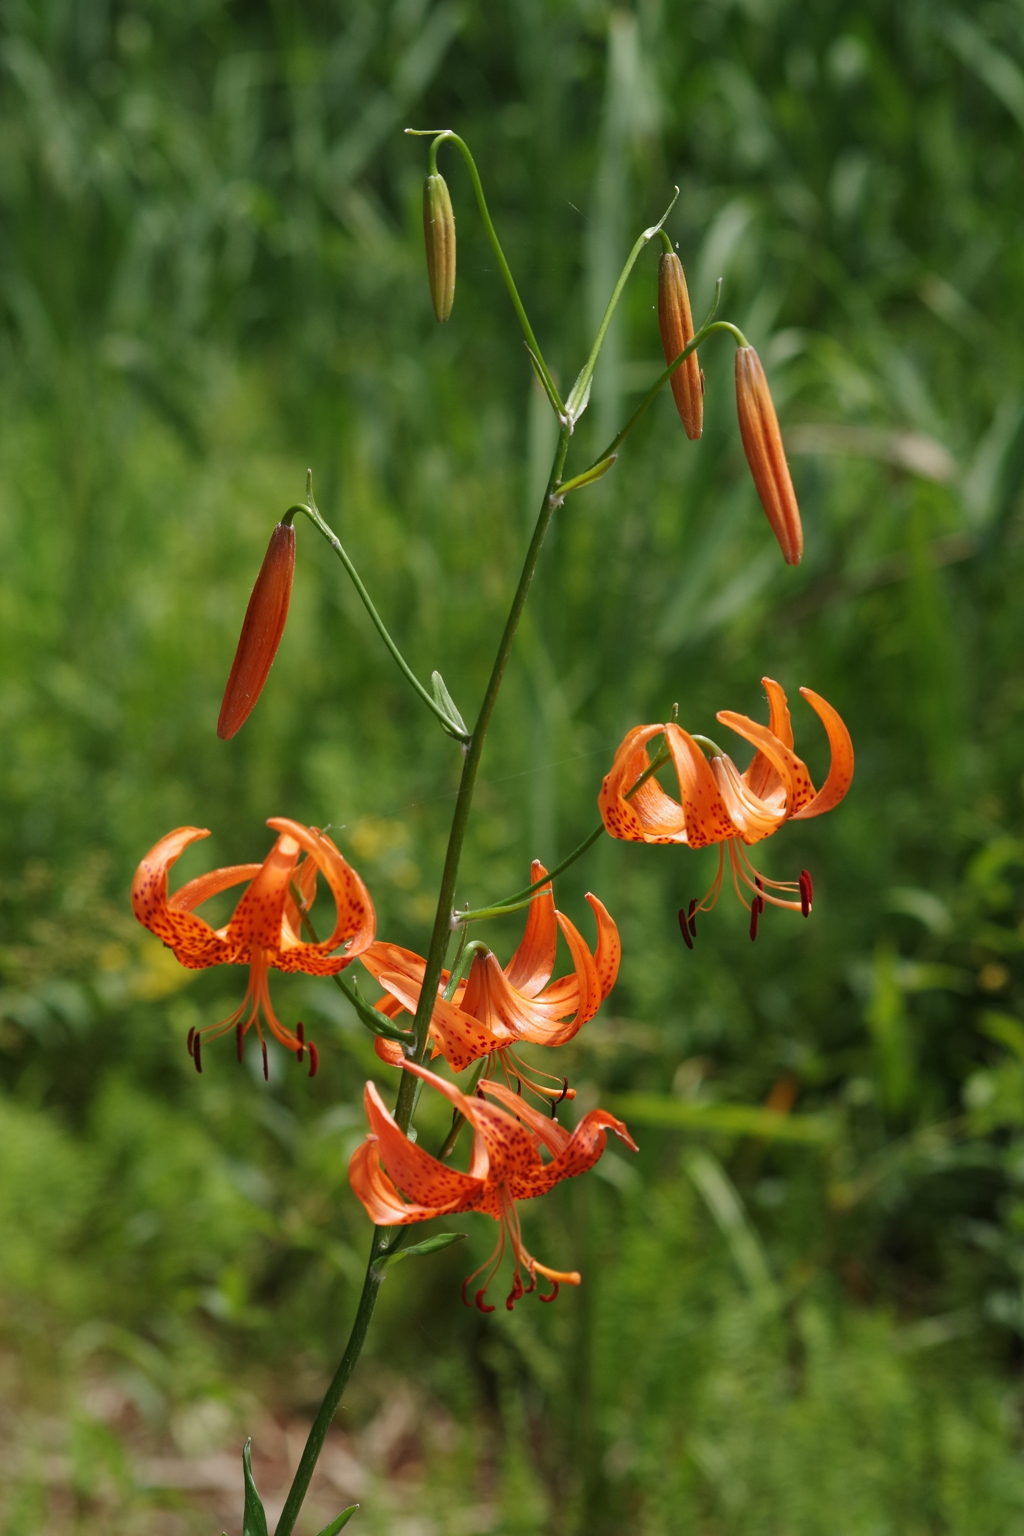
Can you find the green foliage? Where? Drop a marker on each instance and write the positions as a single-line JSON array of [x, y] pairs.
[[211, 278]]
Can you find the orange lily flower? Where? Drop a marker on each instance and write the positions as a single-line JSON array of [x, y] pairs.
[[265, 929], [718, 804], [494, 1009], [399, 1183]]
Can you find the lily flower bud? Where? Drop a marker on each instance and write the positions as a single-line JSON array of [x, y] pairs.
[[262, 629], [762, 444], [676, 325], [439, 234]]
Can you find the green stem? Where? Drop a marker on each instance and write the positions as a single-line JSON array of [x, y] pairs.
[[312, 511], [447, 136], [446, 896], [579, 394], [434, 965], [333, 1396]]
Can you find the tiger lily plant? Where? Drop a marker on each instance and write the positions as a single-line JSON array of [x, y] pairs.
[[398, 1182], [719, 804], [493, 1010], [264, 931]]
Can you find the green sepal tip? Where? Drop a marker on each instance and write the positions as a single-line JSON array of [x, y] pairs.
[[445, 702], [417, 1251], [254, 1520], [343, 1519], [376, 1023]]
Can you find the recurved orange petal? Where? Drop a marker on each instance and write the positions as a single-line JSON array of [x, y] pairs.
[[707, 819], [790, 768], [650, 816], [753, 818], [422, 1179], [356, 920], [761, 777], [378, 1194], [194, 942], [530, 967], [840, 773]]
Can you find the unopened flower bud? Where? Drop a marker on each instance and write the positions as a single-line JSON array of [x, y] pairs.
[[261, 634], [676, 325], [762, 444], [439, 234]]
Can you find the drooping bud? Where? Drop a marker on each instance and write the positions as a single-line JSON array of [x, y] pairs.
[[439, 234], [676, 325], [262, 629], [762, 444]]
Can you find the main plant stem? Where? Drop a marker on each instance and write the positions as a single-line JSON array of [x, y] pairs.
[[439, 939]]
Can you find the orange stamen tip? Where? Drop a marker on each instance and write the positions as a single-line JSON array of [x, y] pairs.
[[262, 629], [314, 1059]]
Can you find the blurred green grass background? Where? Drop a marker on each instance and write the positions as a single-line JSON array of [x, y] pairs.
[[211, 277]]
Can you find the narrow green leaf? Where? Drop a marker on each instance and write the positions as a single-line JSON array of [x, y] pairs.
[[343, 1519], [588, 476], [418, 1250], [667, 1113], [444, 700], [254, 1521]]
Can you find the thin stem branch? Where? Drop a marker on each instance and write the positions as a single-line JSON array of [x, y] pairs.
[[580, 392], [525, 896], [705, 331], [312, 511], [447, 136]]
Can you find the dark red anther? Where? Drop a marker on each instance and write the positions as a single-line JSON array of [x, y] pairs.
[[239, 1038], [465, 1299], [515, 1293], [482, 1306], [755, 913], [519, 1088], [684, 928], [565, 1090], [806, 892], [191, 1037], [196, 1047], [314, 1059], [300, 1030], [690, 917], [554, 1293], [266, 1062]]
